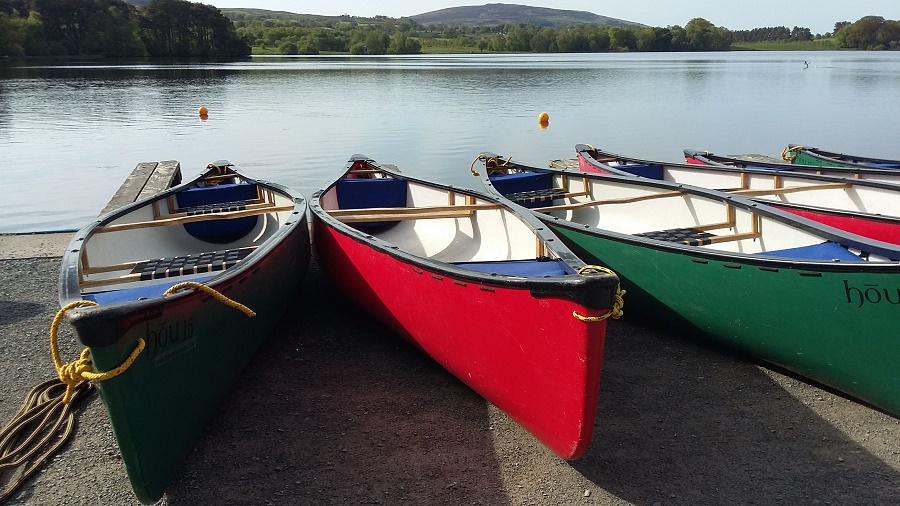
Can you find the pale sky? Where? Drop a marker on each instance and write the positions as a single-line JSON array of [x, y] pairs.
[[817, 15]]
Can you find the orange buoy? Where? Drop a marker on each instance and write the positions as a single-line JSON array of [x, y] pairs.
[[203, 111], [543, 117]]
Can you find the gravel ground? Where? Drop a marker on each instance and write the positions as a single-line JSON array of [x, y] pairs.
[[336, 409]]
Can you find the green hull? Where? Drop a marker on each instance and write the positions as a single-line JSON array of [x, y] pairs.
[[837, 328], [802, 158], [195, 349]]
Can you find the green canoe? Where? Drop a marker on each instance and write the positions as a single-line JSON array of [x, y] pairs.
[[792, 292], [226, 234], [802, 155]]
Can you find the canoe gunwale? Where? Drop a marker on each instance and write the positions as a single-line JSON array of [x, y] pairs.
[[847, 239], [811, 170], [106, 315], [585, 152], [572, 287], [833, 156]]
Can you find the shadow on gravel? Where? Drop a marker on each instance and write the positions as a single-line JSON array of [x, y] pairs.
[[14, 311], [338, 409], [683, 422]]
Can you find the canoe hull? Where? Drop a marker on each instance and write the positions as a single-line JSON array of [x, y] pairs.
[[195, 347], [837, 328], [526, 354], [867, 208]]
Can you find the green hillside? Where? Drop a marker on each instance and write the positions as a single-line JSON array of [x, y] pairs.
[[500, 14]]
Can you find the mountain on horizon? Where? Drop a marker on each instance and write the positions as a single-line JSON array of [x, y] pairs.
[[499, 14]]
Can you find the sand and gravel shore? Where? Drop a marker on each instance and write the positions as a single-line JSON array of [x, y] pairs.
[[335, 409]]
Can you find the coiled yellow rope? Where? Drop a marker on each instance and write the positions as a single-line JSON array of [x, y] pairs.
[[487, 162], [36, 432], [615, 312], [21, 439], [786, 153]]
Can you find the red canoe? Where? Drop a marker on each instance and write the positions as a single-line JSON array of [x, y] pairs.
[[867, 208], [480, 286], [858, 171]]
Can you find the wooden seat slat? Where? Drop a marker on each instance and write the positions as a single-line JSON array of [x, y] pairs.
[[178, 220], [408, 213], [619, 200], [789, 189]]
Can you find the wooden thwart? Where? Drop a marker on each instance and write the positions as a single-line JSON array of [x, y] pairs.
[[409, 213], [620, 200], [188, 219], [752, 192]]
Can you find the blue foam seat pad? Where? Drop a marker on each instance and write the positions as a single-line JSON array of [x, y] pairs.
[[523, 268], [522, 182], [224, 230], [193, 197], [128, 294], [649, 171], [825, 251], [360, 193]]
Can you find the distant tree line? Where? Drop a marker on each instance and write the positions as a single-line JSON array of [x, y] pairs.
[[116, 28], [404, 36], [183, 28], [771, 34], [870, 32]]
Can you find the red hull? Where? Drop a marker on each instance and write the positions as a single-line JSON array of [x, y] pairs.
[[878, 230], [586, 166], [528, 356]]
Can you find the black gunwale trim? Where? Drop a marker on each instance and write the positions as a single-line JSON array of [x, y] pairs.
[[69, 289], [573, 287], [718, 160], [584, 151], [827, 233], [854, 160]]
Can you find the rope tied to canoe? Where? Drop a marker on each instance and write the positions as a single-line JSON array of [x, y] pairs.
[[221, 170], [74, 373], [490, 162], [788, 154], [615, 312], [212, 291], [32, 428]]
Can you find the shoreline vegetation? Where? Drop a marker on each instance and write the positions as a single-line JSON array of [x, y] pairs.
[[179, 28]]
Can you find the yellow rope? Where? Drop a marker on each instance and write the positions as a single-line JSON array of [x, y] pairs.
[[211, 291], [487, 162], [221, 170], [615, 312], [785, 153], [82, 369], [36, 432]]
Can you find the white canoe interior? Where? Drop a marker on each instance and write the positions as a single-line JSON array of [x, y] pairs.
[[784, 187], [441, 224], [631, 207], [170, 240]]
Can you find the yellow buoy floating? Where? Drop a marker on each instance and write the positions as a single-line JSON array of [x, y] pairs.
[[543, 119], [203, 111]]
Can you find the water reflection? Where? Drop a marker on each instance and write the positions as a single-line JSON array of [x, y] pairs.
[[297, 120]]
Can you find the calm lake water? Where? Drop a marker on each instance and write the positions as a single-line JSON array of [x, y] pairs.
[[70, 134]]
